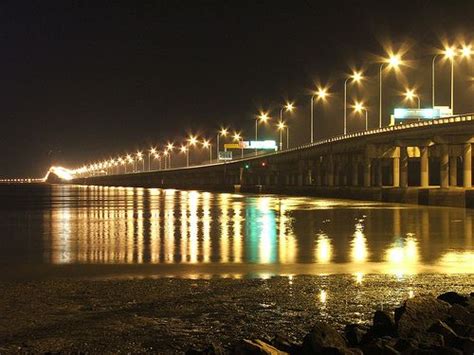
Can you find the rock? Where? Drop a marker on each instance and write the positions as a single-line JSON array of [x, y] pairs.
[[284, 344], [437, 351], [418, 314], [377, 347], [442, 328], [461, 313], [322, 336], [212, 349], [406, 346], [453, 298], [354, 334], [430, 341], [383, 324], [256, 347]]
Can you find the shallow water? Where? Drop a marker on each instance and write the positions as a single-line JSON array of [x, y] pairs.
[[121, 232]]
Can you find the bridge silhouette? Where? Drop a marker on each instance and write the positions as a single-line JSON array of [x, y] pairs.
[[427, 161]]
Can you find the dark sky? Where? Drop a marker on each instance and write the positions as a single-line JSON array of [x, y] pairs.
[[84, 80]]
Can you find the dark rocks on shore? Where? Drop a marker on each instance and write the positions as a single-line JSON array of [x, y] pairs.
[[421, 325]]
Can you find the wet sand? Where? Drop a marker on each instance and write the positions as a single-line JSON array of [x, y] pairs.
[[170, 315]]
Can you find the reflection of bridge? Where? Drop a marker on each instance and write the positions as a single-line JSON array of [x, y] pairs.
[[427, 154]]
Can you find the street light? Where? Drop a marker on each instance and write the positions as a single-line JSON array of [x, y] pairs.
[[157, 156], [166, 154], [356, 77], [222, 132], [410, 95], [359, 108], [321, 94], [191, 142], [185, 149], [394, 61], [238, 138], [281, 126], [288, 107], [140, 158], [169, 148], [262, 117], [206, 144], [450, 53], [151, 152]]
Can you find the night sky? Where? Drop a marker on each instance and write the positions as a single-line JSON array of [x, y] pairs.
[[84, 80]]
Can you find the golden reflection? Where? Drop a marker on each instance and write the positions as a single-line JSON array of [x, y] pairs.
[[224, 226], [359, 250], [324, 249], [193, 226], [136, 225], [323, 296], [169, 238], [237, 228], [206, 227], [402, 256], [286, 237]]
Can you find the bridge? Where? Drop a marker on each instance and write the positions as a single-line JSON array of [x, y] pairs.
[[427, 162]]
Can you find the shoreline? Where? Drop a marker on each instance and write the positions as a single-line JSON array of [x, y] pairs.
[[173, 315]]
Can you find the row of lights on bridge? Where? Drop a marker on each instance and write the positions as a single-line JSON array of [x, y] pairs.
[[393, 61]]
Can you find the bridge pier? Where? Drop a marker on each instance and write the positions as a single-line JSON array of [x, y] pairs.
[[467, 165], [424, 166], [453, 171], [403, 167], [444, 167], [367, 171], [396, 171]]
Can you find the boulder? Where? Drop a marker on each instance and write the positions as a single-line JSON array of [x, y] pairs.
[[322, 336], [461, 313], [213, 349], [418, 314], [383, 324], [354, 334], [256, 347], [453, 298], [284, 344], [378, 346]]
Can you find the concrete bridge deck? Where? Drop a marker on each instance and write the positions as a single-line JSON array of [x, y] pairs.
[[428, 162]]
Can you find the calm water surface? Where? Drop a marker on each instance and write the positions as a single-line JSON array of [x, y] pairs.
[[200, 234]]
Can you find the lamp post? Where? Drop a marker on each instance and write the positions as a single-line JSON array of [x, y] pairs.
[[238, 138], [169, 147], [433, 80], [262, 117], [394, 61], [151, 152], [206, 144], [359, 108], [130, 160], [321, 94], [223, 132], [356, 77], [166, 154], [410, 95], [450, 53], [191, 142], [281, 126], [288, 107], [140, 158]]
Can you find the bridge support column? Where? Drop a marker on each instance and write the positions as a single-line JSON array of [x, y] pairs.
[[309, 177], [467, 165], [330, 171], [367, 171], [355, 171], [396, 172], [444, 167], [300, 178], [317, 176], [453, 171], [424, 166], [267, 180], [403, 167], [378, 177]]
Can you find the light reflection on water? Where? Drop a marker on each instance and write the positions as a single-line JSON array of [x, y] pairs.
[[107, 225]]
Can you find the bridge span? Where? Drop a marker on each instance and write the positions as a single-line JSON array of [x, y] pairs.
[[427, 162]]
